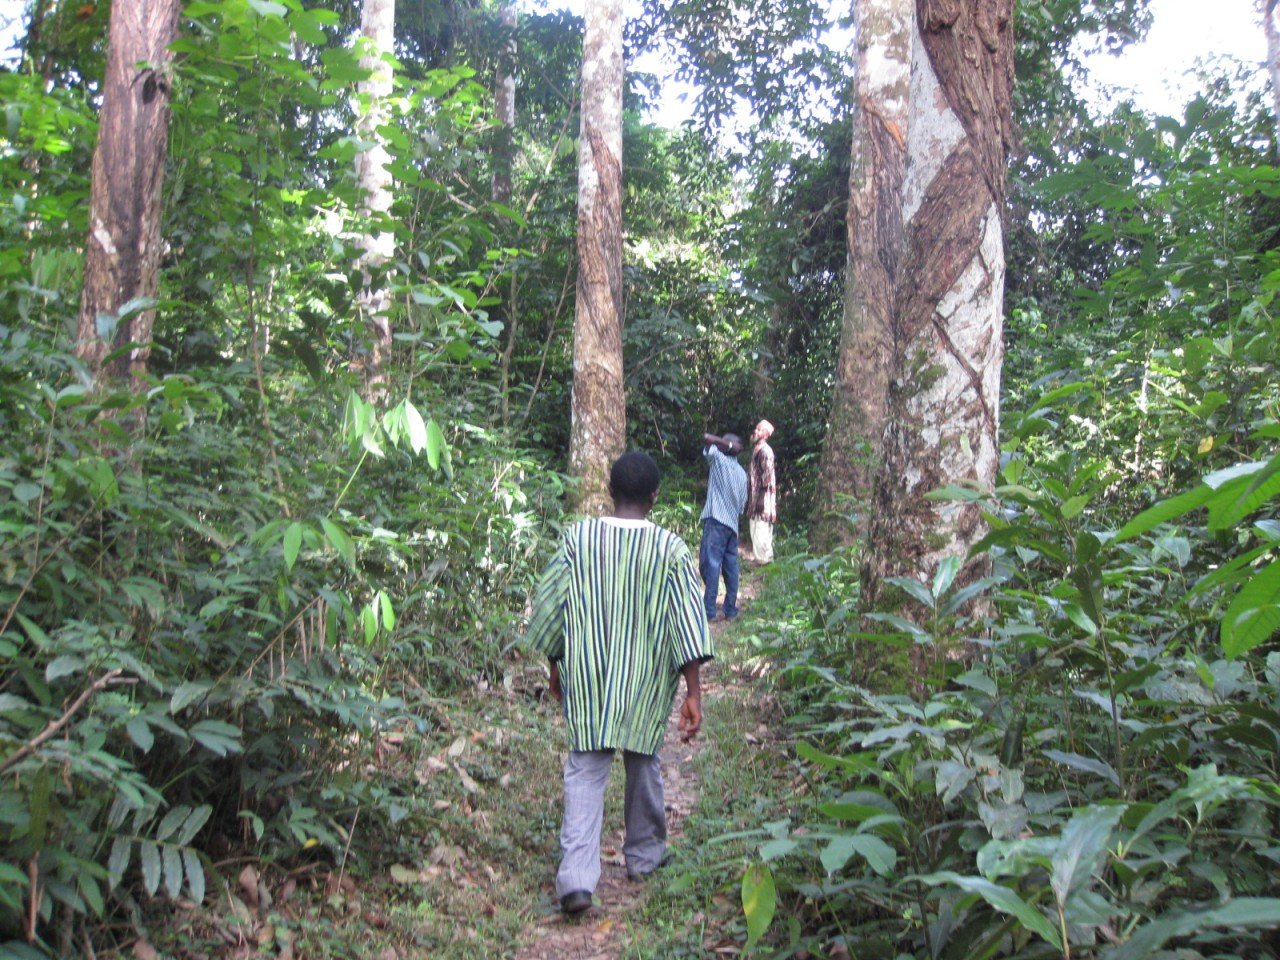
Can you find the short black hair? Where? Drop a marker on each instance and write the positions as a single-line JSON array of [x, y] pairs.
[[634, 477]]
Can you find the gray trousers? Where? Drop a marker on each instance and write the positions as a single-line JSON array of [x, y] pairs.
[[586, 773]]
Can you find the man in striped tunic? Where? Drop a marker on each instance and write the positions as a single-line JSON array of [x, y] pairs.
[[617, 613], [726, 498]]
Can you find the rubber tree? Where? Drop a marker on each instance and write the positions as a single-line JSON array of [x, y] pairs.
[[122, 253], [599, 417], [377, 39], [917, 393], [1270, 10]]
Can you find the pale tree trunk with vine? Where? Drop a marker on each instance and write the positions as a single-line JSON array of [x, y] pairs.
[[918, 376], [943, 400], [504, 116], [599, 417], [1271, 25], [122, 253], [377, 39]]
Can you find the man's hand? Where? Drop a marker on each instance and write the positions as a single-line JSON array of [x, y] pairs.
[[690, 718], [556, 691]]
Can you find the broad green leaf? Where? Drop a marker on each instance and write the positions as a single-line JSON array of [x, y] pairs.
[[759, 900], [976, 679], [435, 444], [1081, 619], [172, 820], [269, 8], [776, 849], [855, 762], [191, 826], [415, 426], [26, 492], [188, 693], [292, 543], [388, 612], [61, 667], [1002, 899], [945, 575], [1254, 614], [217, 737], [1083, 841], [149, 857], [172, 859], [1149, 938], [958, 493], [878, 854], [339, 540], [918, 591], [1164, 511], [122, 848], [952, 777], [1086, 764], [852, 812], [1226, 511], [195, 874], [1074, 506]]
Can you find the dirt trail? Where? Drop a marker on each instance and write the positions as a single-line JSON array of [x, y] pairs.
[[603, 932]]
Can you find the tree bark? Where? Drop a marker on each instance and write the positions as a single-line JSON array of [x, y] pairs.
[[374, 179], [1271, 24], [948, 312], [504, 109], [851, 454], [599, 418], [122, 253]]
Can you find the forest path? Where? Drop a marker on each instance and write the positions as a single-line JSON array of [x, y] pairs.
[[607, 931]]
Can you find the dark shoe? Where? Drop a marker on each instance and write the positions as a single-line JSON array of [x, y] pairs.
[[641, 876], [575, 902]]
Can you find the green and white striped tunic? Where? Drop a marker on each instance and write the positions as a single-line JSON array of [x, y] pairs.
[[620, 609]]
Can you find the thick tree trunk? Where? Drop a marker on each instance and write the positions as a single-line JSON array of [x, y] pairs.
[[374, 180], [504, 109], [122, 254], [948, 313], [881, 122], [599, 414], [1271, 24]]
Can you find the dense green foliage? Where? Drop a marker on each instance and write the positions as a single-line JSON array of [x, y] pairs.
[[225, 590], [1097, 775]]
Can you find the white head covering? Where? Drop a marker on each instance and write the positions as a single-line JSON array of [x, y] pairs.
[[764, 429]]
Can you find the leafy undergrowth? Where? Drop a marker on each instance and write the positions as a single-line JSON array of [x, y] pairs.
[[460, 879]]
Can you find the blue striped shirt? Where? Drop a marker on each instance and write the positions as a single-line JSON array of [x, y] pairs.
[[726, 489], [620, 609]]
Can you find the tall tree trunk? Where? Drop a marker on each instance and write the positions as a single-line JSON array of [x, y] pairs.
[[599, 415], [122, 254], [504, 108], [851, 454], [1271, 24], [504, 97], [949, 304], [374, 179]]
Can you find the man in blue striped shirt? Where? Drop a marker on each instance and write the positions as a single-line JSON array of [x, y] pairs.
[[618, 615], [726, 499]]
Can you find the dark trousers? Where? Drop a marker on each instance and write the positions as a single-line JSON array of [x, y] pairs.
[[717, 554]]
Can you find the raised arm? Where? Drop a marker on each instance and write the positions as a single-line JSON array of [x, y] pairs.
[[731, 447]]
